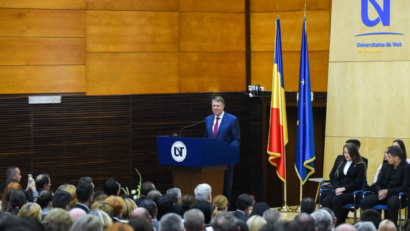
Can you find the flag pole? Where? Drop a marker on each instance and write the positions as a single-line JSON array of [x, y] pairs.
[[285, 208]]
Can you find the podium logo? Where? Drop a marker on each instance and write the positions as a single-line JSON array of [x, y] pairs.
[[178, 151], [384, 15]]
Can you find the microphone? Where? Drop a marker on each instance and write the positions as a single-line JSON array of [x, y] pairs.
[[190, 126]]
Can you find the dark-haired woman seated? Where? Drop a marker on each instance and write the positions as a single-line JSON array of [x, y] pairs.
[[348, 177], [400, 144]]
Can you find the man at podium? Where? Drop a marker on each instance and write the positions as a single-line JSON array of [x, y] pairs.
[[224, 127]]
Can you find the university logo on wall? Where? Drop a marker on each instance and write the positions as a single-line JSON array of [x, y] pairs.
[[384, 14], [178, 151]]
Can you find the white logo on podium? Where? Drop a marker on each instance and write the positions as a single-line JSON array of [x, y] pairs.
[[178, 151]]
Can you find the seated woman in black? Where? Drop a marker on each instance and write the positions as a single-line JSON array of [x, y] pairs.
[[348, 177]]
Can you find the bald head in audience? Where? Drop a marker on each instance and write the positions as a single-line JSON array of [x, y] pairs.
[[76, 213], [141, 212], [345, 227]]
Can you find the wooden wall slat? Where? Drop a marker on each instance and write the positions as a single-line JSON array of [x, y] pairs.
[[211, 32], [212, 6], [132, 31], [152, 5], [201, 72], [42, 79], [44, 4], [318, 30], [132, 73], [42, 51], [289, 5], [42, 23]]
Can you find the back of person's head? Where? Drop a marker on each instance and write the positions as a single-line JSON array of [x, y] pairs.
[[140, 224], [101, 205], [4, 199], [202, 192], [372, 216], [395, 151], [117, 204], [71, 189], [308, 205], [277, 226], [32, 210], [87, 223], [345, 227], [86, 179], [219, 203], [34, 224], [171, 222], [84, 192], [386, 225], [154, 195], [365, 226], [244, 201], [272, 215], [61, 199], [57, 220], [147, 187], [104, 218], [17, 200], [354, 141], [255, 222], [305, 222], [10, 222], [224, 221], [332, 214], [194, 220], [188, 202], [111, 187], [259, 208], [118, 226], [129, 206], [323, 220], [175, 194], [141, 212], [290, 225], [44, 198], [242, 225], [150, 206], [11, 170], [165, 205], [100, 197], [76, 213], [42, 180]]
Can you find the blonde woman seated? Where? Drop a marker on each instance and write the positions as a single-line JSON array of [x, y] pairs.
[[255, 222], [32, 210], [220, 204]]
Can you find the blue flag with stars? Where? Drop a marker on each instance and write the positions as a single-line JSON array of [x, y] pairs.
[[305, 143]]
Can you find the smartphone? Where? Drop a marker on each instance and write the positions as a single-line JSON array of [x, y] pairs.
[[30, 178]]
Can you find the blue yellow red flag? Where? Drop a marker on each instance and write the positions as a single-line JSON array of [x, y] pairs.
[[305, 143], [278, 129]]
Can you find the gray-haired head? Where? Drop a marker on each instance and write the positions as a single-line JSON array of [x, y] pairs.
[[365, 226], [224, 221], [202, 191], [332, 214], [194, 220], [219, 99], [171, 222], [345, 227], [323, 220], [175, 194], [87, 223], [271, 215]]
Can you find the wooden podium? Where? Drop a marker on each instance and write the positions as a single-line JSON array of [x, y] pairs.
[[195, 161]]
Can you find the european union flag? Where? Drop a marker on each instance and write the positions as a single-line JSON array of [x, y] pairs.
[[305, 143]]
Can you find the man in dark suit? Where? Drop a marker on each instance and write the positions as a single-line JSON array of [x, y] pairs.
[[393, 179], [224, 127], [203, 195], [85, 196], [244, 204]]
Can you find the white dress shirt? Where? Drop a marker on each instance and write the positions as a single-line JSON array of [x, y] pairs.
[[347, 166], [219, 121]]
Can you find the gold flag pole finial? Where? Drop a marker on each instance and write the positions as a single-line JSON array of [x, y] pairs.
[[305, 11], [277, 7]]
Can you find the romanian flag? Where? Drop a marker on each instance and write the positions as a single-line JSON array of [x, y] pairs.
[[305, 143], [278, 129]]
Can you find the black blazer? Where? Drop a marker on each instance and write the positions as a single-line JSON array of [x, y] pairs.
[[353, 180], [240, 216], [401, 181], [332, 174], [206, 208], [179, 210], [83, 207]]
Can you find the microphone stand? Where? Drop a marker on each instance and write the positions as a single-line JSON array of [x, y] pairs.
[[189, 126]]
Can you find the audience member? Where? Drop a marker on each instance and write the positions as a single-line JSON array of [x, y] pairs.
[[243, 206], [255, 222], [272, 227], [366, 226], [259, 208], [165, 206], [77, 213], [86, 223], [220, 204], [117, 204], [62, 199], [129, 206], [307, 205], [332, 214], [146, 187], [188, 202], [400, 144], [305, 222], [140, 224], [104, 218], [241, 225], [386, 225], [272, 215], [152, 210], [4, 199], [323, 220], [17, 200], [98, 193], [12, 175], [10, 222], [112, 187], [171, 222], [345, 227], [120, 227], [85, 196], [101, 205], [43, 182], [71, 189], [372, 216], [87, 179], [45, 199], [175, 194], [57, 220], [224, 221], [194, 220], [100, 197], [203, 195], [142, 212], [153, 195], [290, 225], [32, 210]]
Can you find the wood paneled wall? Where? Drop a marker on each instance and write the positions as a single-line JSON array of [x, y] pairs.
[[263, 16]]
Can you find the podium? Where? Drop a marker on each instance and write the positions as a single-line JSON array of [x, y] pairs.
[[195, 160]]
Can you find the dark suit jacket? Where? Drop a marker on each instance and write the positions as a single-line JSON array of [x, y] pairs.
[[401, 181], [206, 208], [179, 210], [332, 175], [228, 132], [139, 200], [240, 216], [353, 180], [83, 207]]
